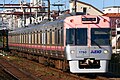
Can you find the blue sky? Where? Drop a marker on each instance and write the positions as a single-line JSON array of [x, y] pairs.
[[96, 3]]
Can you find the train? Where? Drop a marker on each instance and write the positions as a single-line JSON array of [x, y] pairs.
[[78, 43], [4, 39]]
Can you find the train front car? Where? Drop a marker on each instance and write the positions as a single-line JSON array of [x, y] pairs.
[[88, 47]]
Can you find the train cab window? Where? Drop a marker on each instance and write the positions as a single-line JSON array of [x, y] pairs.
[[74, 36], [100, 36]]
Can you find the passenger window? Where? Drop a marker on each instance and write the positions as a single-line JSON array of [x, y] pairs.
[[53, 37], [48, 37], [35, 37], [56, 36], [62, 36], [39, 36]]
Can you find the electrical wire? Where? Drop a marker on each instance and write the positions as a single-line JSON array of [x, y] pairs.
[[12, 1]]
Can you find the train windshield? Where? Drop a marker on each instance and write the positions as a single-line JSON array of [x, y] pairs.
[[100, 36], [76, 36]]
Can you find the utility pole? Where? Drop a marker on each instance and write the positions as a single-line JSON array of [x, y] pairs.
[[48, 9], [75, 3], [58, 7]]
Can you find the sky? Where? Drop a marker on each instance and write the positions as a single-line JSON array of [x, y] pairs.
[[96, 3]]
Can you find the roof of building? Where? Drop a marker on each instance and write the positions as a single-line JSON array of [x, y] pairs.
[[112, 14], [89, 5], [112, 7]]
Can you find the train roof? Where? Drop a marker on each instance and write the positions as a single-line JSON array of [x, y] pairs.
[[44, 25]]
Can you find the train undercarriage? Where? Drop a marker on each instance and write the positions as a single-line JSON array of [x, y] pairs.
[[44, 57], [49, 58]]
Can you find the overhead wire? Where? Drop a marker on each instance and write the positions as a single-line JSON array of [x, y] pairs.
[[12, 1]]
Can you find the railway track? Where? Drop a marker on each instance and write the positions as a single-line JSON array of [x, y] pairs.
[[14, 71], [39, 71]]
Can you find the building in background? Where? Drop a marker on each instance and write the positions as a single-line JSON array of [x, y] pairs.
[[111, 9], [84, 7], [115, 27], [23, 14]]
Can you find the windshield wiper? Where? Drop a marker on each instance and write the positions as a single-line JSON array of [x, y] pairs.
[[95, 43]]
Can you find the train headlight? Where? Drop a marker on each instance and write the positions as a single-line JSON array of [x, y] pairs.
[[72, 51], [105, 51]]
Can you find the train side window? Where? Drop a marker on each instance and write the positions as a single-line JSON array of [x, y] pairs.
[[56, 36], [15, 38], [42, 38], [36, 37], [62, 37], [53, 37], [28, 38], [20, 38], [32, 37], [25, 38], [29, 35], [48, 37], [39, 37]]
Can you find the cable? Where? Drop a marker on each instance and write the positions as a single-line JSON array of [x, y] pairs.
[[12, 1]]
